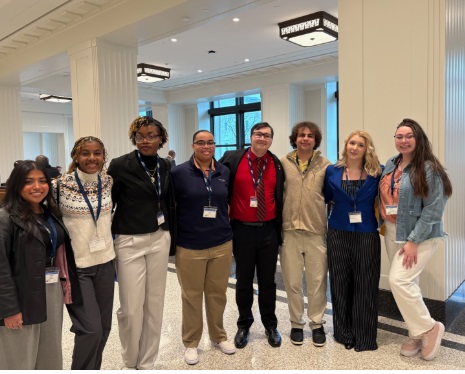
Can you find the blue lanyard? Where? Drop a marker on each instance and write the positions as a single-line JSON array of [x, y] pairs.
[[260, 173], [151, 178], [99, 196], [53, 235], [393, 183], [208, 184], [359, 183]]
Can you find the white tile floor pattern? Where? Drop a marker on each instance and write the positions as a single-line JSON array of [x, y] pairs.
[[259, 355]]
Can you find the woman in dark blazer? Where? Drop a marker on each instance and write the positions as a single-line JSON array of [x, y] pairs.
[[144, 200], [354, 247], [37, 273]]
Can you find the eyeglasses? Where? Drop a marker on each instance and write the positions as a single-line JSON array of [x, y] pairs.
[[203, 143], [259, 135], [150, 138], [406, 137]]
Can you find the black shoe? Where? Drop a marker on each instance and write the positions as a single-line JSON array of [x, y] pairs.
[[349, 345], [319, 337], [242, 337], [297, 336], [274, 337]]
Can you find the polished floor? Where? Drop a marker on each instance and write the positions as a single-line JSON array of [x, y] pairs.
[[258, 355]]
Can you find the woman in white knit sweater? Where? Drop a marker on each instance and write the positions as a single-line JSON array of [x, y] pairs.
[[84, 197]]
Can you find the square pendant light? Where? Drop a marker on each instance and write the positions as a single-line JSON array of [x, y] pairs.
[[150, 73], [313, 29]]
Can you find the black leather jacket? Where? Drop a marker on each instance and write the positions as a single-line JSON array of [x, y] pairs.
[[22, 271]]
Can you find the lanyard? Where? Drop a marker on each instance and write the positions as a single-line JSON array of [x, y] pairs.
[[152, 179], [393, 183], [86, 199], [53, 234], [359, 183], [260, 173], [308, 162], [208, 184]]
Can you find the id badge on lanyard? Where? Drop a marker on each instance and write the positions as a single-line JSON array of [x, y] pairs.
[[51, 275]]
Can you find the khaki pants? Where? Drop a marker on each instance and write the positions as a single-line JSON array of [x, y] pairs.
[[404, 282], [303, 250], [202, 272]]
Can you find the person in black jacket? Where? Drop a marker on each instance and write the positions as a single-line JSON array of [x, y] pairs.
[[51, 171], [256, 189], [37, 273], [143, 196]]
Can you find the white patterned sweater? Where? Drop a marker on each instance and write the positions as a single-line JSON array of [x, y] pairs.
[[78, 219]]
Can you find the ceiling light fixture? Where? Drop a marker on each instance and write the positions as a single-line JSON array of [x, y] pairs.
[[174, 40], [150, 73], [313, 29], [54, 98], [236, 19]]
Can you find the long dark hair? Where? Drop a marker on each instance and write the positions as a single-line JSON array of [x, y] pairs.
[[13, 202], [423, 152]]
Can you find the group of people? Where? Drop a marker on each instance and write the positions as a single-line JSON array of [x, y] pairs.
[[62, 240]]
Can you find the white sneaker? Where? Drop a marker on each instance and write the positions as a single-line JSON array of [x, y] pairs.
[[225, 347], [190, 356]]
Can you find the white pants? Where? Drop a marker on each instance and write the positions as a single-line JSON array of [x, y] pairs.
[[404, 282], [141, 266]]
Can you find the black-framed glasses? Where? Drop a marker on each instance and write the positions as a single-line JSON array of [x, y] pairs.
[[259, 135], [203, 143], [150, 138]]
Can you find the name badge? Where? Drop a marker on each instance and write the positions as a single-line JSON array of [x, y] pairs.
[[355, 217], [253, 202], [51, 275], [391, 209], [160, 218], [97, 244], [209, 211]]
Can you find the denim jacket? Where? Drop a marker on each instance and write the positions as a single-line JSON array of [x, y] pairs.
[[418, 219]]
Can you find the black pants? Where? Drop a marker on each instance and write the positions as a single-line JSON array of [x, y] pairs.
[[92, 319], [354, 263], [255, 248]]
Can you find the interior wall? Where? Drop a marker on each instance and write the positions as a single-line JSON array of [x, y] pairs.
[[388, 74]]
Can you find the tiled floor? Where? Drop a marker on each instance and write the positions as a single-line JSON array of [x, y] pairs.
[[259, 355]]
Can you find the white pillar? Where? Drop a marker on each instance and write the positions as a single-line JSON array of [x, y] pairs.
[[392, 66], [104, 87], [11, 139]]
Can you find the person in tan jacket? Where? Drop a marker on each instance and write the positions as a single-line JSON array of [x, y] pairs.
[[304, 229]]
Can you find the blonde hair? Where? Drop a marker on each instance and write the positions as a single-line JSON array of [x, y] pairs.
[[370, 159]]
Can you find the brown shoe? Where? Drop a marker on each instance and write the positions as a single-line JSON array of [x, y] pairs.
[[431, 341], [410, 348]]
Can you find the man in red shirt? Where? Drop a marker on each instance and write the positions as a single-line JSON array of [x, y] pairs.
[[256, 186]]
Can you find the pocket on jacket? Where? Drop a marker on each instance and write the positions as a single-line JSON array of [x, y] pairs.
[[415, 208], [315, 181]]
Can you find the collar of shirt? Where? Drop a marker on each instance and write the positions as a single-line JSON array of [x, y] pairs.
[[198, 166]]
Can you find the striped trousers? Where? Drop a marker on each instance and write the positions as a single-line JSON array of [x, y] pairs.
[[354, 263]]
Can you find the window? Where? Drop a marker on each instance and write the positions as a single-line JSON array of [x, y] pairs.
[[231, 121]]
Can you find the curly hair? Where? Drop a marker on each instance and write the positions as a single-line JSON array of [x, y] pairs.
[[370, 159], [147, 121], [313, 127], [423, 152], [78, 144]]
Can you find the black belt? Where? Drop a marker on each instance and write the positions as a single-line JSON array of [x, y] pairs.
[[256, 224]]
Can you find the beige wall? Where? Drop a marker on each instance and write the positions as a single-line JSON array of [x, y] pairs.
[[392, 58]]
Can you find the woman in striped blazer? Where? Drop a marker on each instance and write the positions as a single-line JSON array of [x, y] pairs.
[[353, 243]]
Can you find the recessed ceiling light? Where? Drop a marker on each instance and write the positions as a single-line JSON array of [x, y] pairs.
[[174, 40], [246, 60], [236, 19], [199, 71]]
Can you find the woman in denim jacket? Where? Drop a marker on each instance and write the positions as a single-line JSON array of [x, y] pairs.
[[413, 192]]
